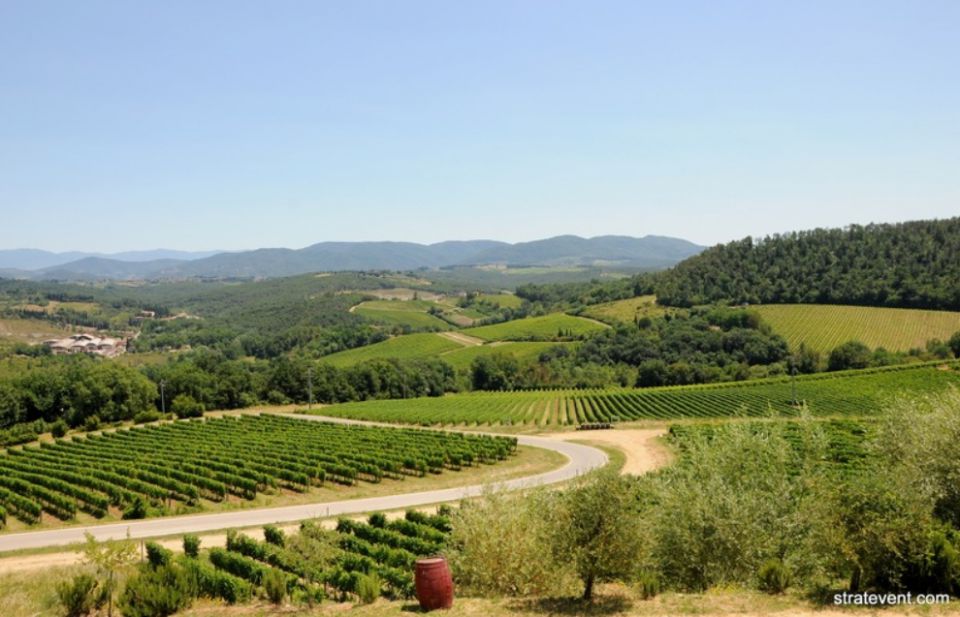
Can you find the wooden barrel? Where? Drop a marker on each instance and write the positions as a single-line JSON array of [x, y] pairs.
[[434, 583]]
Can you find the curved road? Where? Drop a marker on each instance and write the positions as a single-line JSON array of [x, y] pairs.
[[581, 460]]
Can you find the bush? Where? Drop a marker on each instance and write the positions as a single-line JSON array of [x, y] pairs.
[[850, 355], [58, 429], [136, 509], [185, 406], [500, 546], [274, 536], [773, 576], [147, 416], [77, 597], [157, 555], [91, 423], [378, 519], [275, 585], [954, 344], [368, 588], [648, 584], [157, 592], [191, 545]]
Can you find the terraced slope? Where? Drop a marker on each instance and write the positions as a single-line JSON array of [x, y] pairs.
[[847, 393], [823, 327]]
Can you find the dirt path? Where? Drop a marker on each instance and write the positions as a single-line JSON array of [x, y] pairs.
[[464, 339], [643, 448]]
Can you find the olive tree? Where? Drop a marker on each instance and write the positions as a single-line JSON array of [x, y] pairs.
[[598, 529]]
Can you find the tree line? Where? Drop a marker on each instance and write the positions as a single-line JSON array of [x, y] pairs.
[[910, 265]]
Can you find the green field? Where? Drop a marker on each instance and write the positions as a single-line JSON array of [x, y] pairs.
[[823, 327], [422, 345], [556, 326], [846, 393], [215, 460], [501, 300], [412, 314], [461, 358], [626, 311]]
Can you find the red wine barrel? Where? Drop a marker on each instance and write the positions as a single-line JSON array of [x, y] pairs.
[[434, 583]]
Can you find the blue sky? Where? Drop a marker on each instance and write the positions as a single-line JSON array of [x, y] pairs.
[[231, 125]]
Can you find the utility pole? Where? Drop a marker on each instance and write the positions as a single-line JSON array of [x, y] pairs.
[[163, 403], [310, 388]]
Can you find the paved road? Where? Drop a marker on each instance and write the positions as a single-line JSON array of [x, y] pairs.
[[581, 460]]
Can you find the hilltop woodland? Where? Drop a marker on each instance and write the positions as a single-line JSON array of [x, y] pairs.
[[232, 344]]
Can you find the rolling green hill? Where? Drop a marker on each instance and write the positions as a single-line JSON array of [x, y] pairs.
[[410, 313], [847, 393], [556, 326], [823, 327], [422, 345]]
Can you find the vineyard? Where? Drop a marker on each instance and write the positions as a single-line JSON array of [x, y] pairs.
[[412, 313], [146, 470], [824, 327], [861, 392], [378, 554], [556, 326], [423, 345]]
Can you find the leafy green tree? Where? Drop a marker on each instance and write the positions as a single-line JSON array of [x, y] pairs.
[[185, 406], [954, 344], [849, 355], [110, 558], [598, 530]]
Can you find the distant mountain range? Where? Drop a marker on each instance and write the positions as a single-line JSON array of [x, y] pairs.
[[648, 252]]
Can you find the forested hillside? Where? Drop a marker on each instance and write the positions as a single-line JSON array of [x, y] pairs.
[[912, 265]]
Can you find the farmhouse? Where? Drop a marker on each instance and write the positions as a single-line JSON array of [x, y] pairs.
[[86, 343]]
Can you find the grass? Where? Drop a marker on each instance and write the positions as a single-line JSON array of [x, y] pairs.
[[556, 326], [423, 345], [31, 594], [823, 327], [848, 393], [626, 311], [19, 330]]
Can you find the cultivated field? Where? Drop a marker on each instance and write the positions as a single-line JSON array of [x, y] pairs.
[[502, 300], [411, 313], [862, 392], [556, 326], [422, 345], [626, 311], [148, 470], [823, 327]]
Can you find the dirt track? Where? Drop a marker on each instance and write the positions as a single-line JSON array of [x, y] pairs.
[[643, 448]]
